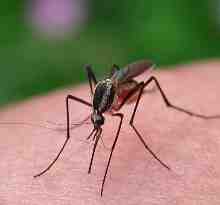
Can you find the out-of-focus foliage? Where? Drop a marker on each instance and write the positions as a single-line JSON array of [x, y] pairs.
[[169, 32]]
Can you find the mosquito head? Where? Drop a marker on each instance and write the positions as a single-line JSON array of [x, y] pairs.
[[97, 119]]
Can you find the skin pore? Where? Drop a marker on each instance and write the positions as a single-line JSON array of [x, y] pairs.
[[189, 145]]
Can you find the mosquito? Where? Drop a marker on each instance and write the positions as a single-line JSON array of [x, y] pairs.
[[108, 97]]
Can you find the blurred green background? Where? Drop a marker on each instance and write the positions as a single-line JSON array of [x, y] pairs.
[[168, 32]]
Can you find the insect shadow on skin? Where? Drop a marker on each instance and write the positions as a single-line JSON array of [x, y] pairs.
[[108, 97]]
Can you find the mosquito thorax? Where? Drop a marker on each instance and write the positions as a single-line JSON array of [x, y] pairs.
[[97, 119], [104, 94]]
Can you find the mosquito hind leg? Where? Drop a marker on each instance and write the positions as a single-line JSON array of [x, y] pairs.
[[170, 105], [68, 98], [141, 87]]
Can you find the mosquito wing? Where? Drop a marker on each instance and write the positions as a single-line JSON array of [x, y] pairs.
[[132, 70]]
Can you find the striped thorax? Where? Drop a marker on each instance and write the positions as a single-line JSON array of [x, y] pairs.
[[103, 99]]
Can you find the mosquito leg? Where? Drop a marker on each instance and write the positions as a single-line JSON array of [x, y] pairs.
[[167, 102], [112, 149], [91, 134], [137, 132], [91, 77], [69, 97], [94, 148], [114, 69], [139, 88]]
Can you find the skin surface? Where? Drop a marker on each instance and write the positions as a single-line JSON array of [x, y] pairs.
[[189, 145]]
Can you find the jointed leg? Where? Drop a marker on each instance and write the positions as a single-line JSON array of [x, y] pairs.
[[69, 97], [91, 77], [139, 88], [97, 137], [137, 132], [142, 85], [114, 69], [167, 102], [112, 149]]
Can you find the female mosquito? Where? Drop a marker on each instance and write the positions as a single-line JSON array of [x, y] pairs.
[[109, 96]]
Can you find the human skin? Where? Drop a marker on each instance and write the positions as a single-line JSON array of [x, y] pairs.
[[189, 145]]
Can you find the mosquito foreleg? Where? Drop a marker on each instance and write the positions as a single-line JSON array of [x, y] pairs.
[[97, 137], [120, 115], [69, 97]]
